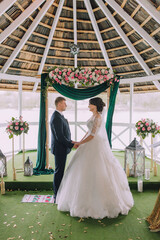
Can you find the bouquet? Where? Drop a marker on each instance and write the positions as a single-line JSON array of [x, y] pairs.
[[146, 126], [17, 127]]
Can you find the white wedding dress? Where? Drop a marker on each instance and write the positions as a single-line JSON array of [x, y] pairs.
[[94, 184]]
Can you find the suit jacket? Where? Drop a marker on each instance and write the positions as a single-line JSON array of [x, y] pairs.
[[60, 134]]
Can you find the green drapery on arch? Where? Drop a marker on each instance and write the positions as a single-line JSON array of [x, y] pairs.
[[75, 94]]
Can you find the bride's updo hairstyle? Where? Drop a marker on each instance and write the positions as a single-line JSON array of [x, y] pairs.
[[98, 102]]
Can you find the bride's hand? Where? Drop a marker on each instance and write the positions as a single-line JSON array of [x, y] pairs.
[[76, 145]]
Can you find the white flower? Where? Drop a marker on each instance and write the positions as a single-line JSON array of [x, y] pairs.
[[50, 74], [110, 71]]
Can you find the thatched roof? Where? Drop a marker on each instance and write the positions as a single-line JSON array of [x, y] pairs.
[[23, 45]]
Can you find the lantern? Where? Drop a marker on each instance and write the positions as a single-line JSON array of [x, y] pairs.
[[3, 164], [28, 167], [134, 164]]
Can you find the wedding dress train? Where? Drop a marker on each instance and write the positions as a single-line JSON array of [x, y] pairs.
[[94, 184]]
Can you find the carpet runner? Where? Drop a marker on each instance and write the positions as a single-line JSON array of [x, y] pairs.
[[38, 198]]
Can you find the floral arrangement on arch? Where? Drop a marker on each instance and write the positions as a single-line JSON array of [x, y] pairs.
[[17, 127], [146, 126], [80, 76]]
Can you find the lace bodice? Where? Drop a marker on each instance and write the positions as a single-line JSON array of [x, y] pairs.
[[94, 124]]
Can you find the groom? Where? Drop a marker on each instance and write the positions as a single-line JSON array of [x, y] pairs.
[[61, 142]]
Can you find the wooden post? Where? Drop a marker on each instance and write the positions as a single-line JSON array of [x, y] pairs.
[[151, 154], [47, 132], [23, 149], [108, 96], [13, 167], [141, 141], [2, 184]]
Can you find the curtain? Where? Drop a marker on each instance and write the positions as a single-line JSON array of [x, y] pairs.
[[41, 149], [76, 94]]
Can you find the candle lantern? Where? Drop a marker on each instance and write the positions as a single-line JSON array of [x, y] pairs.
[[3, 163], [28, 167], [134, 163]]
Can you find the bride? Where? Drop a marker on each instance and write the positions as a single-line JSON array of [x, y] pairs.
[[94, 184]]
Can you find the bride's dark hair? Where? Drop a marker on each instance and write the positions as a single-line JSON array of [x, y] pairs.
[[98, 102]]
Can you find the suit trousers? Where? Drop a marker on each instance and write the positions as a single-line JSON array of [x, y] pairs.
[[60, 161]]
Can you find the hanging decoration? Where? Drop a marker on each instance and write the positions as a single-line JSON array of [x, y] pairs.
[[74, 49], [85, 77]]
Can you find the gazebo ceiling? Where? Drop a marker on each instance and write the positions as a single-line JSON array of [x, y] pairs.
[[121, 34]]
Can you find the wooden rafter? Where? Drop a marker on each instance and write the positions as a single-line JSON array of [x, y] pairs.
[[5, 5], [134, 25], [20, 19], [98, 35], [27, 35], [151, 10], [54, 24]]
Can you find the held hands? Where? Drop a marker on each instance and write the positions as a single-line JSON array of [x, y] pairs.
[[76, 144]]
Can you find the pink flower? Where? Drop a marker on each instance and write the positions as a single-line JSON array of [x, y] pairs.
[[147, 124], [149, 128], [17, 123], [139, 123], [56, 70], [90, 76], [139, 128], [68, 73], [16, 128], [106, 72], [21, 129], [60, 72], [143, 129], [143, 120], [56, 79]]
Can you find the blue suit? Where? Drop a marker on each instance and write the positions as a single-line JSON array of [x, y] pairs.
[[60, 146]]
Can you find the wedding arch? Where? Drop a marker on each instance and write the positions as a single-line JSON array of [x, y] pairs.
[[75, 94]]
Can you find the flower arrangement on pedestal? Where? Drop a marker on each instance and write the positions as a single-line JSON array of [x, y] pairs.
[[17, 127], [146, 126], [81, 76]]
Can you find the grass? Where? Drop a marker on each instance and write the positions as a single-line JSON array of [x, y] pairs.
[[41, 221], [49, 178]]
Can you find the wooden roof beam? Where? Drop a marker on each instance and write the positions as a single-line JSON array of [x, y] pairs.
[[124, 37], [5, 5], [150, 9], [20, 19], [134, 25], [97, 32], [27, 35], [49, 41]]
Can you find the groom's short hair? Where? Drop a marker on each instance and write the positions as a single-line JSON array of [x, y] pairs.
[[59, 99]]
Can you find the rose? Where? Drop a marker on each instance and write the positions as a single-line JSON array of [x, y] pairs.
[[16, 128], [147, 124], [149, 128], [143, 129], [17, 123], [21, 129]]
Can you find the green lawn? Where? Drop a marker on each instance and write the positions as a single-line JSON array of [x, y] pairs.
[[49, 178], [41, 221]]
